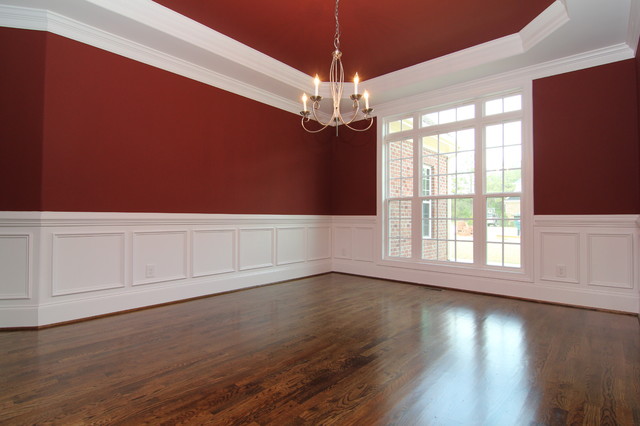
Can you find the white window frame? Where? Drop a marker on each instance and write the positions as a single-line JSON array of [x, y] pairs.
[[451, 98]]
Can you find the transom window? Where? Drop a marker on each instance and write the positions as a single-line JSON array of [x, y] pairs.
[[453, 184]]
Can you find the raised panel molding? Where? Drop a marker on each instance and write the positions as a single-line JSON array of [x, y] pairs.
[[84, 262], [610, 260], [63, 266], [159, 256], [290, 245], [15, 264], [560, 257], [363, 242], [256, 248], [213, 251], [319, 242], [342, 242], [200, 254]]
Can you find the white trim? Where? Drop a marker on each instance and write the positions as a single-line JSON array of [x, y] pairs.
[[42, 307], [170, 22], [545, 24], [478, 96], [536, 291], [56, 23], [152, 34], [598, 221], [47, 219], [633, 31], [25, 18], [28, 275], [176, 279], [497, 82], [576, 289]]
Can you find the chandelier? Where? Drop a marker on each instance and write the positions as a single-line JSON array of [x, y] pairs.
[[336, 83]]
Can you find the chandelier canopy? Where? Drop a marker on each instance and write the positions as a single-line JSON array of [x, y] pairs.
[[336, 83]]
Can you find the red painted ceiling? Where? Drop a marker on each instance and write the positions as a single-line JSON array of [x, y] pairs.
[[377, 37]]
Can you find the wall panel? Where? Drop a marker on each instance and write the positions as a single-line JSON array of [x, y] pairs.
[[290, 245], [319, 243], [159, 256], [87, 262], [560, 256], [213, 251], [15, 259], [610, 260], [256, 248]]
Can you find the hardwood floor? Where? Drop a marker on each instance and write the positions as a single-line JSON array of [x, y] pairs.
[[331, 349]]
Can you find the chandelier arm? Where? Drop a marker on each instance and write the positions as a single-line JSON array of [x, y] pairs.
[[356, 114], [370, 120], [316, 118], [313, 131]]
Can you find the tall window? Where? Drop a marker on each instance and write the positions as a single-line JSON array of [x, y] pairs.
[[453, 184]]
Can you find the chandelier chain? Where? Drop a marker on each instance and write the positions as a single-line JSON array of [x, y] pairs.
[[336, 37]]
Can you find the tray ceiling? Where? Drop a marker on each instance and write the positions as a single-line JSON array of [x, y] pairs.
[[377, 37]]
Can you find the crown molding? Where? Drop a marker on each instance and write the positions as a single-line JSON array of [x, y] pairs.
[[163, 19], [25, 18], [513, 78], [545, 24], [633, 33], [56, 23], [150, 33]]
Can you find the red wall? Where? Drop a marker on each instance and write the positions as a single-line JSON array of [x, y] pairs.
[[106, 133], [638, 96], [123, 136], [21, 112], [353, 172], [586, 142]]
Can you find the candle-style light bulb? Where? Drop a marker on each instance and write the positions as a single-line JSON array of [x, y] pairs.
[[356, 80], [366, 99], [316, 81], [304, 102]]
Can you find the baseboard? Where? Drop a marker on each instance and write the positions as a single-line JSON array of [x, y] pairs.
[[534, 291]]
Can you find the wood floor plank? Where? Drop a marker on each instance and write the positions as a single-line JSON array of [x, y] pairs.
[[331, 349]]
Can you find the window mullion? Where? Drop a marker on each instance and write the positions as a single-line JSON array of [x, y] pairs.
[[416, 207], [479, 211]]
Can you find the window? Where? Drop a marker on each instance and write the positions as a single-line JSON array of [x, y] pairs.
[[453, 184]]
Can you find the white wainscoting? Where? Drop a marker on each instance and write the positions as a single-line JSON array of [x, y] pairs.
[[213, 251], [159, 256], [87, 262], [57, 267], [15, 264], [580, 260]]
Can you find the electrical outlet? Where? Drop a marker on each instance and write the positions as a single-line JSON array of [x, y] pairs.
[[150, 270], [561, 270]]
